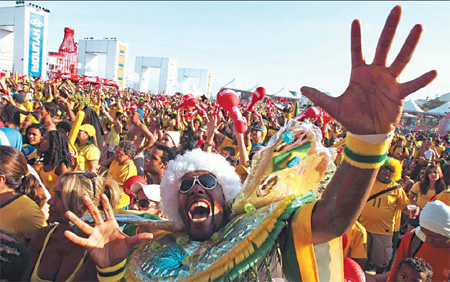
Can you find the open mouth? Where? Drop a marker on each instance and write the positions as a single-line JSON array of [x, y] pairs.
[[199, 211]]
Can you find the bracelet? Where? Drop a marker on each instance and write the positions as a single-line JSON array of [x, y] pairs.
[[208, 145], [111, 273], [367, 151]]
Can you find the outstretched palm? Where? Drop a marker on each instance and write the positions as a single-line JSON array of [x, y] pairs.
[[106, 244], [373, 101]]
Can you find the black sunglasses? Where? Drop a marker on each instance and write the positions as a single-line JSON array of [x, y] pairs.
[[146, 204], [391, 169], [207, 181]]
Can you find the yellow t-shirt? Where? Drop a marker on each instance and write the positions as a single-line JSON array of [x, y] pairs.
[[397, 152], [22, 116], [379, 214], [87, 153], [356, 247], [444, 197], [121, 173], [438, 149], [21, 217], [28, 106], [422, 199]]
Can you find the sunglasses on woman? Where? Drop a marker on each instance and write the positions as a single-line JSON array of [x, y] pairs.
[[207, 181], [91, 176]]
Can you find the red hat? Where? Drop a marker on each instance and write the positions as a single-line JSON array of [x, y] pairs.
[[127, 184], [133, 107]]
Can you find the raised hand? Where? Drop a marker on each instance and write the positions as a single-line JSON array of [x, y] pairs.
[[373, 101], [106, 244]]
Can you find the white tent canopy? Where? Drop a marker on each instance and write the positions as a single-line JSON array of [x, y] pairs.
[[441, 110], [445, 97], [283, 92], [253, 89], [188, 87], [234, 84], [411, 106]]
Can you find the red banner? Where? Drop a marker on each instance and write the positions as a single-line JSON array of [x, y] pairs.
[[91, 79]]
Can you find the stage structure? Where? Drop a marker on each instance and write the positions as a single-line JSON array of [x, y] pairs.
[[167, 77], [66, 60], [106, 58], [204, 77], [23, 39]]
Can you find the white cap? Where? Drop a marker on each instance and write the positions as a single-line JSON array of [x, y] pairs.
[[175, 135], [151, 191]]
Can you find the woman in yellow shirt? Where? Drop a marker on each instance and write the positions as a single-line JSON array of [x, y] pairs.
[[431, 184], [57, 159], [20, 215], [88, 151]]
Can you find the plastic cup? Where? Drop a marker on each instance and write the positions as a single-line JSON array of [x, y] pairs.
[[412, 211]]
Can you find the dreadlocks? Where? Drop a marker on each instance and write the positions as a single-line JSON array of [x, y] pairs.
[[58, 151]]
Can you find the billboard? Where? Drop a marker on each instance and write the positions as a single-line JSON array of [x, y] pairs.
[[121, 65], [36, 44]]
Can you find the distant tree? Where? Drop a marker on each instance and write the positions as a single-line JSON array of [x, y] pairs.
[[432, 104]]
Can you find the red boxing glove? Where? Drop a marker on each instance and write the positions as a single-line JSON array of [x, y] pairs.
[[229, 100]]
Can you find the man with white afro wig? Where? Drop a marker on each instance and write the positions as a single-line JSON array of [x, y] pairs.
[[197, 186], [200, 205]]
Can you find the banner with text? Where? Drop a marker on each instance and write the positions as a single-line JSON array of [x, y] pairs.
[[36, 44]]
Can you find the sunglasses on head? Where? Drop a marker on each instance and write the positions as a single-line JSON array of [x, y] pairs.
[[92, 176], [207, 181]]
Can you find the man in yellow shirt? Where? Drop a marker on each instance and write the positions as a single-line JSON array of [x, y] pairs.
[[382, 212], [123, 167], [355, 245]]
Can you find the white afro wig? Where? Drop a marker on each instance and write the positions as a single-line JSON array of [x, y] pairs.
[[189, 162]]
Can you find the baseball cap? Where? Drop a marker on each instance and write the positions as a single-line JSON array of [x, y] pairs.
[[175, 135], [29, 151], [259, 127], [241, 170], [151, 191], [130, 181], [17, 97], [89, 129]]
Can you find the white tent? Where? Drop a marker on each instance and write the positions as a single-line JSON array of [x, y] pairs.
[[253, 89], [234, 84], [283, 92], [188, 87], [411, 106], [441, 110], [445, 97]]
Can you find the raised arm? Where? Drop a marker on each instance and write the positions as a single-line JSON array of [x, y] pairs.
[[371, 104], [106, 244]]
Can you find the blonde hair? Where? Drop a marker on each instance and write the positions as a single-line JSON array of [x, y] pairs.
[[76, 185]]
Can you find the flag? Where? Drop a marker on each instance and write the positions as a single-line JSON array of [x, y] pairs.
[[296, 110]]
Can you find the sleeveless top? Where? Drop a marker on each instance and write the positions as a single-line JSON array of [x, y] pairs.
[[34, 275], [49, 178]]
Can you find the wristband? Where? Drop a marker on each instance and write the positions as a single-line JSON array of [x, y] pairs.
[[367, 151], [111, 273]]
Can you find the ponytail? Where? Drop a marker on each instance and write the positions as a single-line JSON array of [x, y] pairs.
[[15, 169]]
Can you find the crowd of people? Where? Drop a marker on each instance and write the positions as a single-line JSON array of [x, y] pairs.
[[69, 150]]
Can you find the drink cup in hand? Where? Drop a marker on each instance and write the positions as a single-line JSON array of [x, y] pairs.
[[413, 211]]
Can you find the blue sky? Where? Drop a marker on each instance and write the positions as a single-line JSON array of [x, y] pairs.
[[276, 44]]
